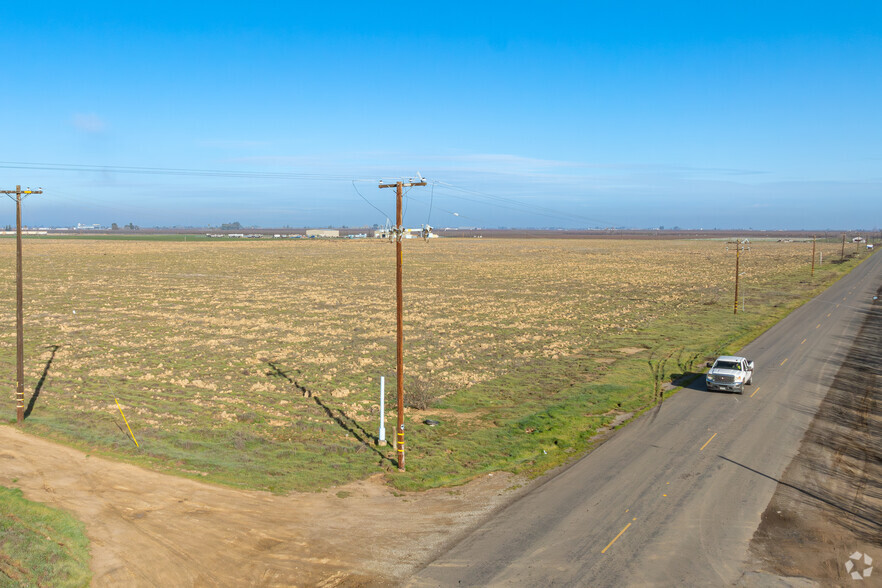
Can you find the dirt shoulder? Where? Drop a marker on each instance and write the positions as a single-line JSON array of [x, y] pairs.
[[828, 505], [151, 529]]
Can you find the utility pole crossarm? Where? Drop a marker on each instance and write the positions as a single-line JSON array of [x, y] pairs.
[[403, 184]]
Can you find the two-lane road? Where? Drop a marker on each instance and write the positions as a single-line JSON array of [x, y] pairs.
[[674, 499]]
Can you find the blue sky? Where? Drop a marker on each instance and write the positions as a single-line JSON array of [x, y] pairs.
[[701, 115]]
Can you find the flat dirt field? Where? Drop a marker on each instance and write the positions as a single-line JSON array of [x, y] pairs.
[[254, 366], [257, 363]]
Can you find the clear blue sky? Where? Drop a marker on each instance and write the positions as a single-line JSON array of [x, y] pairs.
[[697, 114]]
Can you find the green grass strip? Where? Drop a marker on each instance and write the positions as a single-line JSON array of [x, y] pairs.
[[39, 545]]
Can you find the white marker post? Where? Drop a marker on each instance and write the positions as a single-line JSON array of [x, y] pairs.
[[382, 440]]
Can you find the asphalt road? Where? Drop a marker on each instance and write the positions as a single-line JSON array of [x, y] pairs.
[[675, 497]]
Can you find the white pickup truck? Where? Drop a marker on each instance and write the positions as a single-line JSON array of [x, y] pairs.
[[730, 373]]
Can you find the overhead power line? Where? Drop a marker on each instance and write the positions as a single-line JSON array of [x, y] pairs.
[[169, 171], [453, 191], [368, 201], [512, 204]]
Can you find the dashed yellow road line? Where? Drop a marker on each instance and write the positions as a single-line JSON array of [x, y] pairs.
[[804, 340], [755, 391], [819, 326], [828, 315], [783, 362], [617, 536], [708, 441]]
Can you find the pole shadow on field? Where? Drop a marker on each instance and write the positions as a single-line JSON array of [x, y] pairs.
[[343, 420], [39, 387]]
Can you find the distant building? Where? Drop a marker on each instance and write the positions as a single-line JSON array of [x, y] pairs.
[[322, 233]]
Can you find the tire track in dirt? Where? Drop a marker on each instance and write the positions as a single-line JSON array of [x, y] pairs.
[[152, 529]]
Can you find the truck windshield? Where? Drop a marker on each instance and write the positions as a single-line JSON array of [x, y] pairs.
[[727, 365]]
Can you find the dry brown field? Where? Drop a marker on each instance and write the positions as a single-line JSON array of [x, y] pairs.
[[257, 363]]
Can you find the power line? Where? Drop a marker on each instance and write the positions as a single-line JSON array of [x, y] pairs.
[[482, 197], [168, 171], [512, 204], [450, 212], [368, 201], [431, 202]]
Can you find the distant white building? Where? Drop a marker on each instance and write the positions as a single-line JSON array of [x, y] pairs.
[[322, 233]]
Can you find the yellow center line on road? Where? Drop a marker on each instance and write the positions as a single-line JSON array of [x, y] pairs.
[[783, 362], [709, 440], [755, 391], [819, 326], [617, 536], [828, 315], [804, 340]]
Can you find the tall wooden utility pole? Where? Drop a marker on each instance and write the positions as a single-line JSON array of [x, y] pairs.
[[19, 312], [739, 245], [399, 297], [842, 253], [813, 255]]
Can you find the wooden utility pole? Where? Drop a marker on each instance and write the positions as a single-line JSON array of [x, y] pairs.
[[738, 246], [399, 298], [737, 272], [19, 312], [842, 253], [813, 255]]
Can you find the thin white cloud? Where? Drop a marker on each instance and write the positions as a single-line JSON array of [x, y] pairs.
[[88, 123]]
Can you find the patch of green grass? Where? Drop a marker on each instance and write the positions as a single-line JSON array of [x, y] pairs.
[[40, 546]]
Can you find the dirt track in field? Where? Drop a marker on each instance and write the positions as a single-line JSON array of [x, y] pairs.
[[152, 529]]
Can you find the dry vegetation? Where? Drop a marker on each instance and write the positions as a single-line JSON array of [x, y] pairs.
[[258, 363]]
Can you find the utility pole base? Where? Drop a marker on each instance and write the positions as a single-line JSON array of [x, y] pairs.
[[401, 470], [381, 443]]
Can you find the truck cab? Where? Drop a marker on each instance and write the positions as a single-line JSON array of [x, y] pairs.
[[730, 373]]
